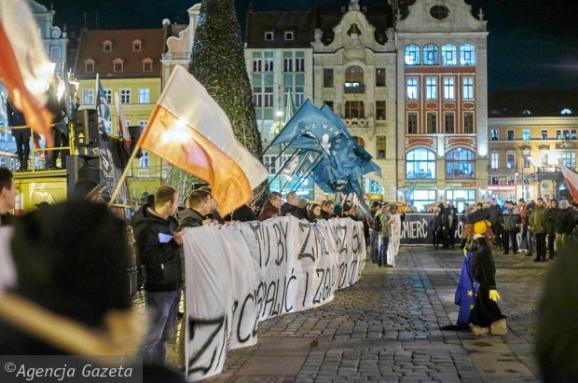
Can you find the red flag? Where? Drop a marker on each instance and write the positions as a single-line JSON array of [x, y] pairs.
[[572, 182]]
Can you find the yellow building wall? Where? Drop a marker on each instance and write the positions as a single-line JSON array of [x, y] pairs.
[[145, 176]]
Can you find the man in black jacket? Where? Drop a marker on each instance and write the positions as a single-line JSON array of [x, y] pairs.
[[199, 205], [291, 207], [159, 250], [21, 134]]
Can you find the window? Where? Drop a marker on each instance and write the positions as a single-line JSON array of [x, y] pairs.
[[108, 96], [526, 155], [288, 64], [299, 64], [450, 122], [354, 77], [147, 65], [289, 35], [449, 88], [269, 36], [494, 160], [411, 88], [511, 160], [88, 96], [143, 161], [421, 199], [411, 55], [431, 88], [449, 55], [268, 96], [460, 197], [430, 55], [420, 164], [142, 124], [89, 66], [107, 46], [328, 78], [558, 134], [431, 122], [468, 88], [494, 135], [137, 46], [380, 146], [469, 122], [257, 65], [526, 134], [269, 162], [495, 181], [118, 65], [125, 96], [55, 53], [467, 55], [573, 134], [510, 135], [511, 180], [380, 112], [268, 64], [412, 123], [144, 96], [257, 96], [569, 159], [544, 134], [439, 12], [380, 77], [354, 109], [460, 163]]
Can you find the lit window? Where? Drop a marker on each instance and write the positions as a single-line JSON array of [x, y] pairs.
[[495, 160], [88, 96], [411, 88], [422, 199], [511, 160], [430, 55], [412, 55], [566, 112], [125, 96], [420, 164], [354, 77], [469, 123], [269, 162], [467, 55], [269, 36], [468, 88], [412, 123], [544, 134], [460, 163], [143, 161], [449, 53], [450, 122], [526, 134], [89, 66], [431, 85], [494, 135], [569, 159], [144, 96], [449, 88]]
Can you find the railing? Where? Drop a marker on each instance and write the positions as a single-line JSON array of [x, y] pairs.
[[353, 87]]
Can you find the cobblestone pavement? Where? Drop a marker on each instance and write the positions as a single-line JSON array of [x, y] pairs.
[[387, 329]]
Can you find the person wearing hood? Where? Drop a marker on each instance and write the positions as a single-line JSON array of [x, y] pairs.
[[158, 246]]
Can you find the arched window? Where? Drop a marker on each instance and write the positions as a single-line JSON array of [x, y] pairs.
[[118, 65], [354, 79], [467, 55], [136, 45], [420, 164], [431, 55], [411, 55], [89, 66], [147, 65], [107, 46], [460, 163], [449, 55]]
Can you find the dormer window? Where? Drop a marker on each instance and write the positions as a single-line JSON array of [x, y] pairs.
[[269, 36], [118, 65], [107, 46], [137, 46], [147, 65], [89, 66], [289, 35]]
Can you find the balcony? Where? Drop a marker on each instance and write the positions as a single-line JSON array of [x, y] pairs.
[[354, 87]]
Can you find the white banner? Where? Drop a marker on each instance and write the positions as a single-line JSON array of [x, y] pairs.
[[239, 275]]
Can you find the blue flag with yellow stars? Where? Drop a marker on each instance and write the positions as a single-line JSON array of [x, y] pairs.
[[466, 292]]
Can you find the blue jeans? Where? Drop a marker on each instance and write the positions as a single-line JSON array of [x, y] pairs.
[[163, 306], [382, 253]]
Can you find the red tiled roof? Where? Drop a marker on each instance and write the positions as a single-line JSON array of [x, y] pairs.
[[91, 47]]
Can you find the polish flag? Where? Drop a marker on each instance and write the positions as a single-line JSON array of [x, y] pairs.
[[121, 119], [191, 131], [25, 68], [572, 182]]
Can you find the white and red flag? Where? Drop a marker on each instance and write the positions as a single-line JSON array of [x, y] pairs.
[[572, 182], [25, 68]]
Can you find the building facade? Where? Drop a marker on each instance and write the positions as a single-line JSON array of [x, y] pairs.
[[526, 153], [128, 64], [442, 104]]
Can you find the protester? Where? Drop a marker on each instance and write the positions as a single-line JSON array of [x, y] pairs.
[[495, 217], [159, 250], [375, 240], [242, 214], [349, 211], [327, 209], [314, 212], [7, 196], [452, 222], [511, 227], [291, 207], [537, 224], [565, 222], [271, 207], [525, 240], [395, 238], [550, 217], [386, 221], [337, 211], [486, 317], [21, 134], [436, 228], [57, 108], [200, 204]]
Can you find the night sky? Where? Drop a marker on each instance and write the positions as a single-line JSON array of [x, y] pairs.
[[532, 43]]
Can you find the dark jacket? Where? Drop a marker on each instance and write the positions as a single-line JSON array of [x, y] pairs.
[[296, 211], [565, 221], [157, 251], [495, 214], [483, 266], [242, 214], [550, 217], [6, 219], [453, 217], [511, 219], [190, 218], [269, 211], [325, 215]]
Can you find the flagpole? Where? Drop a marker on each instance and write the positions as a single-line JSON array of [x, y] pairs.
[[123, 177]]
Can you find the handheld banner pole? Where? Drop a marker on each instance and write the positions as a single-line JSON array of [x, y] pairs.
[[123, 177]]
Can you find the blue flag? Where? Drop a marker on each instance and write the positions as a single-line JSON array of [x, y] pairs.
[[466, 291]]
